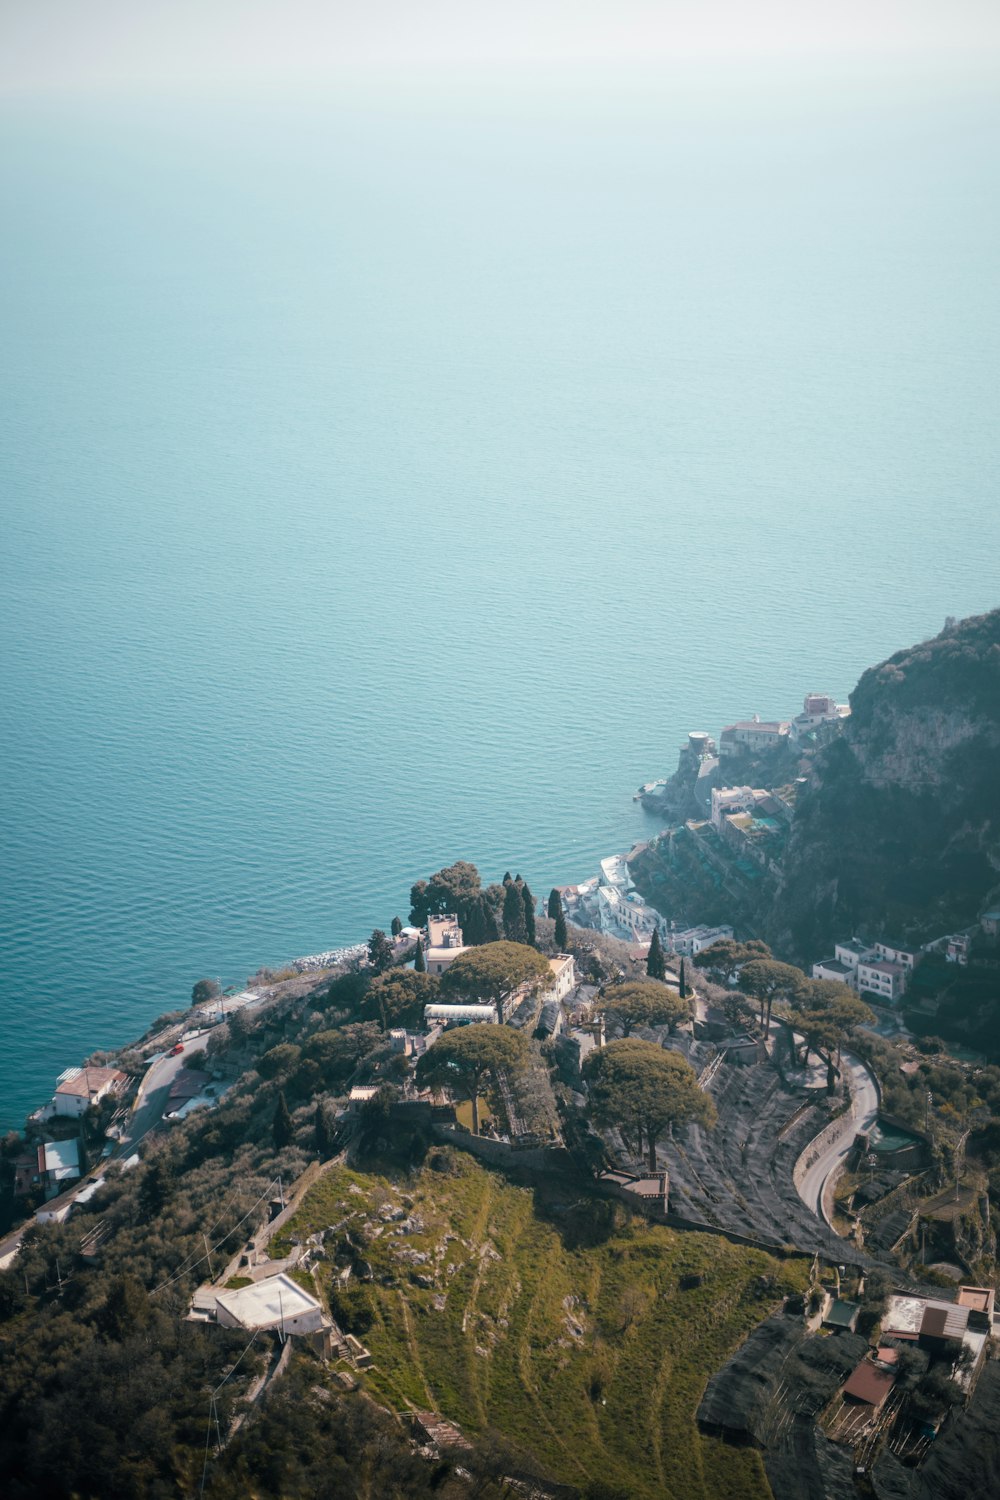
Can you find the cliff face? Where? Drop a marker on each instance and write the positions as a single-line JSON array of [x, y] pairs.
[[899, 831]]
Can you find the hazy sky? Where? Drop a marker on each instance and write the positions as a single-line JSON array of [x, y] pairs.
[[72, 45]]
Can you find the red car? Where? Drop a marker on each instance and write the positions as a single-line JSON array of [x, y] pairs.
[[174, 1050]]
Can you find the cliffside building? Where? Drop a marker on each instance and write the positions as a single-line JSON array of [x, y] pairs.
[[750, 735], [444, 943]]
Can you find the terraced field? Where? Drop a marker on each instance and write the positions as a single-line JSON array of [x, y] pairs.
[[584, 1336]]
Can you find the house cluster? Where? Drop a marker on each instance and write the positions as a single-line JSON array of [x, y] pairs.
[[751, 736], [880, 970], [79, 1088], [444, 943], [752, 821], [611, 903], [951, 1333]]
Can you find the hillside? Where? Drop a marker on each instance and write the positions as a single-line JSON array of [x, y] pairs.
[[584, 1337], [899, 830]]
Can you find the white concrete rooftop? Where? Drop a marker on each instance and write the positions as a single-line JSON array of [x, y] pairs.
[[268, 1303]]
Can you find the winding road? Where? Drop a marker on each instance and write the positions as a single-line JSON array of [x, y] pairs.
[[864, 1108]]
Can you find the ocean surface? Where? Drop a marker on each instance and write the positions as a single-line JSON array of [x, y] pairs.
[[392, 479]]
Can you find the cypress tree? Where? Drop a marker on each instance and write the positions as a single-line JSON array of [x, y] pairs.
[[529, 914], [419, 962], [491, 932], [323, 1141], [396, 926], [282, 1127], [561, 935], [513, 915], [555, 903], [656, 964], [683, 985]]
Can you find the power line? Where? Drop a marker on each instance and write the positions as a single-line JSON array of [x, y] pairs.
[[183, 1269]]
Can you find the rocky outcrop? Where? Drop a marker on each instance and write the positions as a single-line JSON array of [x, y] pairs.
[[899, 830]]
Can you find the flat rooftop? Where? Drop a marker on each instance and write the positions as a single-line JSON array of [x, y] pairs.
[[266, 1303]]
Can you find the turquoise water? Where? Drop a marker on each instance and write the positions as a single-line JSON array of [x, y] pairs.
[[395, 482]]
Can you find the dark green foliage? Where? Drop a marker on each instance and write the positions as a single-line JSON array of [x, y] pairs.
[[480, 922], [419, 961], [656, 964], [683, 982], [380, 951], [283, 1131], [464, 1057], [396, 926], [155, 1189], [560, 935], [399, 997], [640, 1089], [513, 914], [324, 1134], [529, 914], [278, 1061], [307, 1444], [452, 889], [204, 990], [338, 1052], [347, 992], [555, 905]]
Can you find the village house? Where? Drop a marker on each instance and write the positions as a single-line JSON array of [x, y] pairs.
[[58, 1165], [880, 970], [752, 735], [688, 941], [78, 1088], [444, 943], [884, 980], [818, 710]]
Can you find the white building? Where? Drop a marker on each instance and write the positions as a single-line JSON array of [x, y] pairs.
[[734, 799], [832, 968], [444, 943], [852, 953], [752, 734], [78, 1088], [884, 980], [817, 709], [691, 940], [906, 954], [615, 873], [563, 977], [276, 1302], [459, 1015]]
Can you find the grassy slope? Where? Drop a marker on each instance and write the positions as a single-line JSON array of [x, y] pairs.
[[591, 1402]]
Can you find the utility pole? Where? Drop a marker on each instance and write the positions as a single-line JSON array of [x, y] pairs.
[[208, 1256]]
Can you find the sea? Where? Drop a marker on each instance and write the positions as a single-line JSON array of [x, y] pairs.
[[395, 474]]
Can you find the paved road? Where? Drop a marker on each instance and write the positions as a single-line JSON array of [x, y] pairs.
[[154, 1091], [864, 1108]]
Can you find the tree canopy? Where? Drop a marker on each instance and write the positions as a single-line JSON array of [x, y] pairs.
[[765, 980], [381, 954], [461, 1059], [399, 997], [826, 1013], [492, 973], [452, 889], [656, 964], [204, 990], [644, 1003], [641, 1089], [721, 958], [514, 926]]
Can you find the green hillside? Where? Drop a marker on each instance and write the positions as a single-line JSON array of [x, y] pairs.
[[583, 1335]]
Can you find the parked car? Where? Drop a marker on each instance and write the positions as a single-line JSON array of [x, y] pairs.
[[179, 1048]]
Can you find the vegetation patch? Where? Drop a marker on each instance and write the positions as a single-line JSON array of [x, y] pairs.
[[583, 1335]]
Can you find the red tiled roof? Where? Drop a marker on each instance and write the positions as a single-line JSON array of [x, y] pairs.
[[869, 1383]]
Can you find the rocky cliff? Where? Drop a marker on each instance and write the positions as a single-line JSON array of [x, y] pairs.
[[899, 830]]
